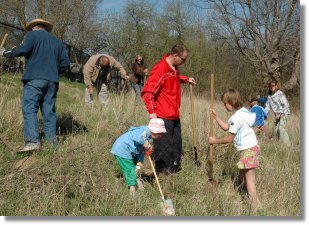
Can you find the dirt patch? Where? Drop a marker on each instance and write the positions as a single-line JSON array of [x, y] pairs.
[[24, 163]]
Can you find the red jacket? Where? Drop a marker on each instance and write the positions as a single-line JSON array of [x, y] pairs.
[[161, 93]]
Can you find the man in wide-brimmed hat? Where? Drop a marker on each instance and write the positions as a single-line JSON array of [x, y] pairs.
[[46, 57], [39, 22]]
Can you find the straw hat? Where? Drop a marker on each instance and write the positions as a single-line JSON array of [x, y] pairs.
[[35, 22], [156, 126]]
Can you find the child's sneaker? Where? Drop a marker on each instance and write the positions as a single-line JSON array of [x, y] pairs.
[[140, 185], [133, 191]]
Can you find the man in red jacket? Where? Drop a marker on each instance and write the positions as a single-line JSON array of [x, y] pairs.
[[162, 97]]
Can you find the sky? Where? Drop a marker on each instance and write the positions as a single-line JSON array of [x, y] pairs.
[[112, 4], [117, 5]]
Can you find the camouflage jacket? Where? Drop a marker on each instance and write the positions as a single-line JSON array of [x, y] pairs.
[[92, 69]]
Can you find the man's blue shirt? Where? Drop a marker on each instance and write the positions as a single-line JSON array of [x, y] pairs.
[[45, 54]]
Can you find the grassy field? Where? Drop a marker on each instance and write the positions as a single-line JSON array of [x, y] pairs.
[[81, 177]]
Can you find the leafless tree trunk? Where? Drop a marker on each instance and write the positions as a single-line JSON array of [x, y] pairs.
[[74, 20], [265, 32]]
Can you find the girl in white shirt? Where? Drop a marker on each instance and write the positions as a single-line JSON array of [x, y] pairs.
[[241, 133]]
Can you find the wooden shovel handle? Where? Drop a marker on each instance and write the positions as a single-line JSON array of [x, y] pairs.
[[193, 115], [154, 171], [211, 130], [4, 39]]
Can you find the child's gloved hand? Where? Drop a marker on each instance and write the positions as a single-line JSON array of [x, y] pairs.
[[148, 150], [140, 164]]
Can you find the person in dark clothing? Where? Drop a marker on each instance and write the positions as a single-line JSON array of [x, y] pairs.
[[46, 58], [138, 76]]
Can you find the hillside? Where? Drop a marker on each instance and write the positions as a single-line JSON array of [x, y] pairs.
[[81, 177]]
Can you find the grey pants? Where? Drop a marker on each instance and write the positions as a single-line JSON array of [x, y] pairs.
[[280, 132], [102, 93], [138, 89]]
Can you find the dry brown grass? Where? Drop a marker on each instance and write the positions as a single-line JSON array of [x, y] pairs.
[[81, 178]]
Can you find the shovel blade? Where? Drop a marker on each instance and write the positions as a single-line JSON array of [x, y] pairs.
[[196, 161], [210, 170], [168, 207]]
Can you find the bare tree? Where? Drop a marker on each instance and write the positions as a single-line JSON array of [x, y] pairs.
[[128, 33], [139, 14], [265, 32], [75, 21]]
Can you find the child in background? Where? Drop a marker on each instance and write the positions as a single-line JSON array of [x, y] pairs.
[[240, 131], [261, 101], [132, 145], [260, 113]]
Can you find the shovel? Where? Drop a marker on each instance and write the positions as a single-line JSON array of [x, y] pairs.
[[4, 39], [213, 184], [196, 161], [2, 43], [166, 205]]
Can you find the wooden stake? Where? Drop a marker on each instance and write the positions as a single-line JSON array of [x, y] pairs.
[[211, 130], [193, 117], [4, 39]]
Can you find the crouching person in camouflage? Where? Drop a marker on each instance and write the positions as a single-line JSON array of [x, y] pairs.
[[97, 72]]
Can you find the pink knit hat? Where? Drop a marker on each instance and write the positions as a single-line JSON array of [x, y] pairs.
[[156, 126]]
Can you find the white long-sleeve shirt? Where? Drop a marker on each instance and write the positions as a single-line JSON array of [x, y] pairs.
[[278, 103]]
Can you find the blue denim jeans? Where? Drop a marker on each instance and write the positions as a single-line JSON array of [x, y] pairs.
[[39, 94], [138, 89]]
